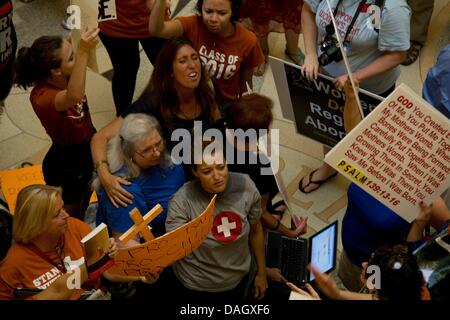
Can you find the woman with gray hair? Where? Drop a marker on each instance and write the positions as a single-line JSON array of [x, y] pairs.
[[138, 155]]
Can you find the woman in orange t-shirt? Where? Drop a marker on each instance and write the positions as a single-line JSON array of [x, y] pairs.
[[121, 38], [47, 245]]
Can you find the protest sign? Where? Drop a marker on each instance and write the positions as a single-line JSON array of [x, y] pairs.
[[315, 106], [400, 153], [107, 10], [89, 13], [166, 249], [14, 180]]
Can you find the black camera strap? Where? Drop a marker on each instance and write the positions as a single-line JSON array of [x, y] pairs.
[[350, 27]]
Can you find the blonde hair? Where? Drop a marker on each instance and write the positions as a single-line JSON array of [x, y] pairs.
[[35, 207]]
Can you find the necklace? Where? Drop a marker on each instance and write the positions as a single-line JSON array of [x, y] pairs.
[[186, 117]]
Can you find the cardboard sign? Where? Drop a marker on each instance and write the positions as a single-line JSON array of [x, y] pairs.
[[400, 153], [106, 10], [165, 250], [14, 180], [315, 106]]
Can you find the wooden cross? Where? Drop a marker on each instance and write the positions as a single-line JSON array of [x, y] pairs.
[[141, 224]]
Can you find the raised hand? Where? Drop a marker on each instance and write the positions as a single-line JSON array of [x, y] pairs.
[[89, 38], [325, 283]]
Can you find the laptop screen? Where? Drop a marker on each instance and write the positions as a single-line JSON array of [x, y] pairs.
[[323, 246]]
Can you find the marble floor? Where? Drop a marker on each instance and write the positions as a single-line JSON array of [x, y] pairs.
[[22, 138]]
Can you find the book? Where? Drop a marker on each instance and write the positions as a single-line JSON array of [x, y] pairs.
[[434, 258], [96, 245]]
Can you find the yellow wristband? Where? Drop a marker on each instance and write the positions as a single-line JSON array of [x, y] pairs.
[[99, 163]]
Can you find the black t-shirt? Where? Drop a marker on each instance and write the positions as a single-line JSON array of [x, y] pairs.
[[147, 104]]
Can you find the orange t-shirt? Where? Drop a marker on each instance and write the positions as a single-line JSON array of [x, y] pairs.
[[72, 126], [224, 58], [24, 268]]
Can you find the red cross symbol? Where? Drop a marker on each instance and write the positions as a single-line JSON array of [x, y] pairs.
[[227, 226]]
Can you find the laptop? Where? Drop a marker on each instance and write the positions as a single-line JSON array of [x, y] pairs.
[[292, 256]]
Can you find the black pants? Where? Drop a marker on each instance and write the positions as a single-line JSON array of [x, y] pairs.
[[71, 168], [124, 55], [169, 288]]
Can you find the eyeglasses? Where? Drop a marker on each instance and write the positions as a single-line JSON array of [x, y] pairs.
[[151, 150]]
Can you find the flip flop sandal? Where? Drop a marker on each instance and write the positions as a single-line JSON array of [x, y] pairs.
[[412, 54], [298, 59], [318, 182], [272, 209]]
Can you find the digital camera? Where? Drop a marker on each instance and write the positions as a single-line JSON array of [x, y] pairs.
[[330, 51]]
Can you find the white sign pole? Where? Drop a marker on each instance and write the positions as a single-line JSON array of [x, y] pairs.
[[344, 56]]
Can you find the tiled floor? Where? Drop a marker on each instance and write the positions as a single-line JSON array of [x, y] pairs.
[[22, 137]]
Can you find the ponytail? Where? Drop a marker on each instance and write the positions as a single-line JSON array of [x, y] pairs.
[[34, 64]]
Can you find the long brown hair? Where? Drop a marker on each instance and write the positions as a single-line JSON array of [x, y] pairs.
[[35, 64], [162, 89]]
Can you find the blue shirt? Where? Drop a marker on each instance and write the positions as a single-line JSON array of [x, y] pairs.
[[369, 224], [153, 186], [436, 88]]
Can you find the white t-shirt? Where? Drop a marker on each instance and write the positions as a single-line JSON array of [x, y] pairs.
[[365, 44]]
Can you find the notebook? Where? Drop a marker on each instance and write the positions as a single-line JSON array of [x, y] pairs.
[[292, 256]]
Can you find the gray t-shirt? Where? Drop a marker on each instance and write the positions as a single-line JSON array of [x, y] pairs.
[[365, 44], [223, 259]]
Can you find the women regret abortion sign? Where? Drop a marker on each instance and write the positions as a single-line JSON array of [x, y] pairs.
[[315, 106], [400, 153]]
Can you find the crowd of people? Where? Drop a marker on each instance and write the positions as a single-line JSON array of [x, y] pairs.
[[203, 67]]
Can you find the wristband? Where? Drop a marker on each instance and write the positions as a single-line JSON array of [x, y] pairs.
[[99, 163]]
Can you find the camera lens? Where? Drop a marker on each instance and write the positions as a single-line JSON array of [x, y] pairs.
[[333, 53], [324, 59]]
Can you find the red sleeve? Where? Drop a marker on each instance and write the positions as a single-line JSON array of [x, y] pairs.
[[190, 25], [43, 102], [255, 55]]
